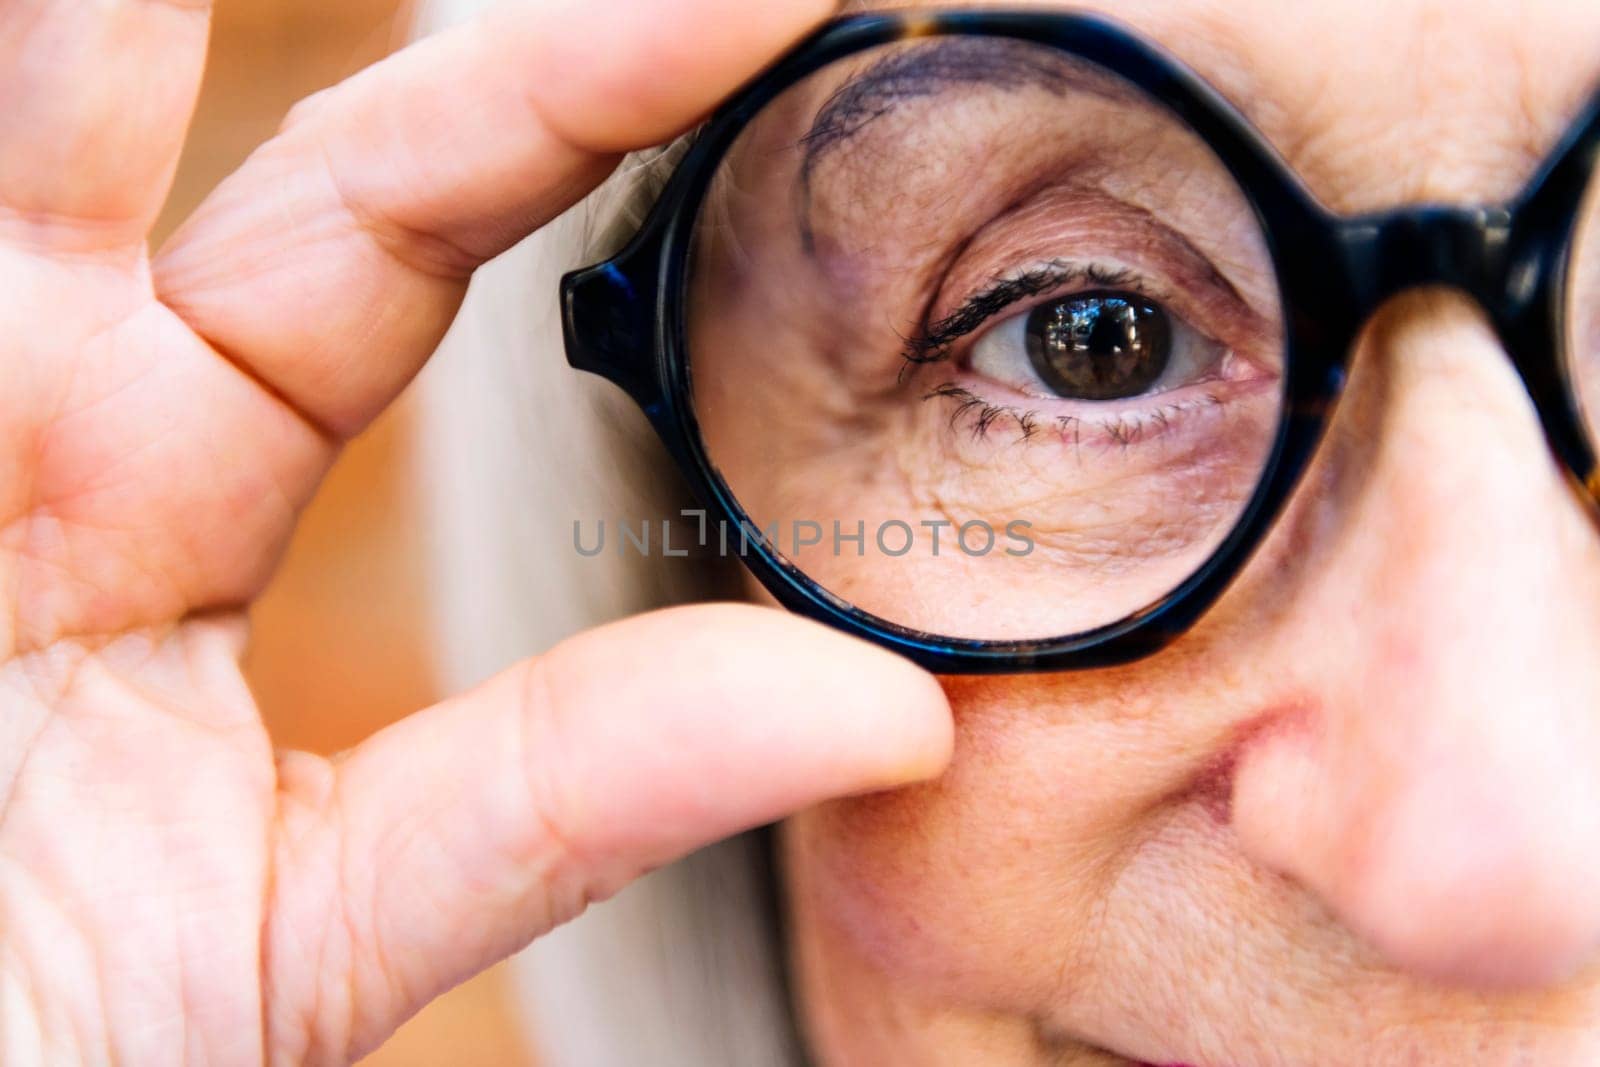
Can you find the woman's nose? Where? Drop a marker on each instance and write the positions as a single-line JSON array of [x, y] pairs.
[[1432, 770]]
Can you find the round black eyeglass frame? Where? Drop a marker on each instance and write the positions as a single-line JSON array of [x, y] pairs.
[[624, 319]]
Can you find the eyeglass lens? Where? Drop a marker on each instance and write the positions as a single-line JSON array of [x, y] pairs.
[[986, 342]]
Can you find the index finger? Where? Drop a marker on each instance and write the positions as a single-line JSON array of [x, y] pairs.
[[331, 264]]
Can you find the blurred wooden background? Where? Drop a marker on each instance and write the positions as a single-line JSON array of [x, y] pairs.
[[338, 648]]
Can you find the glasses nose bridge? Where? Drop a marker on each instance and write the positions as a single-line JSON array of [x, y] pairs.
[[1484, 253], [1457, 247]]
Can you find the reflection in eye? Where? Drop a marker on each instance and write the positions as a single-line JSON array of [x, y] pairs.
[[1099, 346]]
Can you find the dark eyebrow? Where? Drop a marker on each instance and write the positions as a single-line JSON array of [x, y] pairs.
[[928, 69], [939, 65]]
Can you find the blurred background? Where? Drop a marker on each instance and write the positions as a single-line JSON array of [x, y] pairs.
[[339, 644]]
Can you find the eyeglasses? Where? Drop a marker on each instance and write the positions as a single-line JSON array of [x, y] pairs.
[[1001, 339]]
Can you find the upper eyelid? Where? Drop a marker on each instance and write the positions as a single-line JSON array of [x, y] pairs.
[[933, 342], [966, 320], [1176, 248]]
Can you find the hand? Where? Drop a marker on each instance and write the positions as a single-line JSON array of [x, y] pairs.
[[170, 890]]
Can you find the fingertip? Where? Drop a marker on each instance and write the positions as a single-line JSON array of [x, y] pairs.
[[932, 728], [903, 710], [883, 720]]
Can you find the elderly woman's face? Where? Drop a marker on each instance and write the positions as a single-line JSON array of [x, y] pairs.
[[1354, 816]]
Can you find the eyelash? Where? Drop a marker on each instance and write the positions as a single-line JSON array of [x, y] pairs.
[[933, 343], [1124, 431]]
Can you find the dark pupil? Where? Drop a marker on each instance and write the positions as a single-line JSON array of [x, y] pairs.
[[1099, 346]]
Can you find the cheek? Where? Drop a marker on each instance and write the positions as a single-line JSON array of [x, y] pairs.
[[989, 887]]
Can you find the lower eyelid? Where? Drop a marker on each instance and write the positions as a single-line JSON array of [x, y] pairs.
[[981, 415]]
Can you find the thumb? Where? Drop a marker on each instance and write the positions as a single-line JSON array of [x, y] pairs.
[[450, 840]]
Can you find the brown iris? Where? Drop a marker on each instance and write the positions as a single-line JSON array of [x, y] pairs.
[[1103, 345]]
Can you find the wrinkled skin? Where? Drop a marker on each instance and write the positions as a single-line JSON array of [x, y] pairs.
[[1351, 819], [1354, 816]]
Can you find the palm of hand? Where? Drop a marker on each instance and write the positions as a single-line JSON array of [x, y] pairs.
[[170, 889], [151, 483]]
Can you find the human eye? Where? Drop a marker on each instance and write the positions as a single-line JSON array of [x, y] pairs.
[[1074, 347]]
